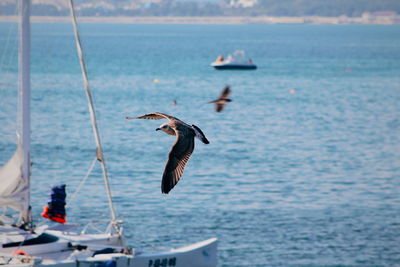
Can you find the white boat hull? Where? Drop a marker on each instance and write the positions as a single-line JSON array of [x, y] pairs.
[[202, 254], [233, 66]]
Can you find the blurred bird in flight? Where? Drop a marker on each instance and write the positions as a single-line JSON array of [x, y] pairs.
[[223, 99]]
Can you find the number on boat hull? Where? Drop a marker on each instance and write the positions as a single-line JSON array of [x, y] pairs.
[[166, 262]]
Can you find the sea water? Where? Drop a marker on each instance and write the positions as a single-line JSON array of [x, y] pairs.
[[303, 166]]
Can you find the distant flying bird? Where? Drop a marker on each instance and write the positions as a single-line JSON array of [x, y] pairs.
[[223, 99], [181, 150]]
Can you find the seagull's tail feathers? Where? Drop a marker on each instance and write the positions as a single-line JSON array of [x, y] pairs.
[[200, 134]]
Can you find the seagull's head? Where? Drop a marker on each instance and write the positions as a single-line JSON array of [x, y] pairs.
[[166, 129]]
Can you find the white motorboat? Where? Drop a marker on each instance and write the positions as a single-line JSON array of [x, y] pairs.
[[235, 61], [23, 244]]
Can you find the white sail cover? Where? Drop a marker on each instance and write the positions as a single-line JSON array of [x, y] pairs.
[[14, 189]]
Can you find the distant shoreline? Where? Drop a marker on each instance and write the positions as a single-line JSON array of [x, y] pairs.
[[211, 20]]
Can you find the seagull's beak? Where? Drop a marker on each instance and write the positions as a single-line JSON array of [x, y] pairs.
[[158, 129]]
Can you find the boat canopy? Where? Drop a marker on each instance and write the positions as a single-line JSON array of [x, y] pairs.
[[239, 56]]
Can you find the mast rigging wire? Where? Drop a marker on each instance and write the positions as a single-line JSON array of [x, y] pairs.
[[99, 151], [82, 182]]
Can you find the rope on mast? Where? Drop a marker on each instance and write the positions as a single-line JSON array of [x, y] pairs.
[[99, 151]]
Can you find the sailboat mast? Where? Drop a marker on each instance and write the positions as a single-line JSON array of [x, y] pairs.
[[25, 95], [99, 150]]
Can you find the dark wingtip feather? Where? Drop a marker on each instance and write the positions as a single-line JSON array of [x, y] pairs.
[[166, 187]]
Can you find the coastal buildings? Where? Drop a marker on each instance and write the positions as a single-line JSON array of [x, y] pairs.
[[242, 3], [381, 17]]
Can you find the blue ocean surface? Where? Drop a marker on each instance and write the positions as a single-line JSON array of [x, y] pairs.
[[303, 166]]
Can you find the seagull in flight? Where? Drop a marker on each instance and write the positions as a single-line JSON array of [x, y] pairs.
[[181, 150], [223, 99]]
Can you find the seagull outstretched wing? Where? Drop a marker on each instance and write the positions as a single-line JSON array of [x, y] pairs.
[[178, 156], [154, 116], [225, 92]]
